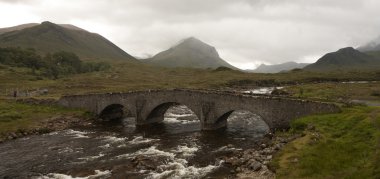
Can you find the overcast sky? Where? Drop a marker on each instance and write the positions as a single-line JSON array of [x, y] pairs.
[[245, 32]]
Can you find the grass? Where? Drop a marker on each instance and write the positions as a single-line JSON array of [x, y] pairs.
[[125, 76], [21, 117], [345, 145], [334, 91]]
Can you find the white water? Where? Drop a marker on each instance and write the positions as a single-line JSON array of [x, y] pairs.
[[142, 140], [173, 120], [77, 134], [264, 90], [98, 173], [151, 151]]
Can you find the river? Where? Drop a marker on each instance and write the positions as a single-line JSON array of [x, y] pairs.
[[175, 148]]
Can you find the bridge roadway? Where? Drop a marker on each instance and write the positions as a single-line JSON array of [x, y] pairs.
[[211, 107]]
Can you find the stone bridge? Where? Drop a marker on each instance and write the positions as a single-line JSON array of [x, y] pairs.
[[211, 107]]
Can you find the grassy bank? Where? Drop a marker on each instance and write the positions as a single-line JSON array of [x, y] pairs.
[[17, 117], [345, 145]]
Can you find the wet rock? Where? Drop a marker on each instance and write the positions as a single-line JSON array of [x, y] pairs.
[[238, 169], [269, 135], [14, 135], [263, 146], [278, 146], [279, 92], [254, 165]]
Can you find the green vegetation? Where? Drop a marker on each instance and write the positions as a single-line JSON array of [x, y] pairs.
[[15, 117], [127, 76], [334, 91], [344, 145], [51, 66]]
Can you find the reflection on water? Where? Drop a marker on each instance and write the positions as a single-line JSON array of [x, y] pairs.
[[175, 148]]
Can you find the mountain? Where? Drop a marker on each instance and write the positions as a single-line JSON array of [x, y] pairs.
[[48, 37], [191, 53], [345, 59], [278, 67], [19, 27]]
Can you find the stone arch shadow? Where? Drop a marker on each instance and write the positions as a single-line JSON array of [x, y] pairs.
[[114, 111], [222, 122], [157, 113]]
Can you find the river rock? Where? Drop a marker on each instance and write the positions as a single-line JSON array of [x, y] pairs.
[[278, 146], [263, 146], [254, 165]]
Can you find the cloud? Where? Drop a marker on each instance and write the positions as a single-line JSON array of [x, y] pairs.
[[245, 32]]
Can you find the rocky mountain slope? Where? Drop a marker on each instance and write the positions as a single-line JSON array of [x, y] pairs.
[[190, 53], [345, 59], [48, 37]]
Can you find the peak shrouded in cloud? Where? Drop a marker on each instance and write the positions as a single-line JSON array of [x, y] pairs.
[[246, 32]]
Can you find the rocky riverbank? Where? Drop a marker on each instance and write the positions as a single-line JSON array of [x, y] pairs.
[[245, 164], [255, 162], [56, 123]]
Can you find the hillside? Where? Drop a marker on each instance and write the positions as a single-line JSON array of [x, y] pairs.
[[278, 67], [48, 37], [190, 53], [18, 27], [345, 59]]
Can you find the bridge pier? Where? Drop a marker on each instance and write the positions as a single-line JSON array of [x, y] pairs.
[[213, 126]]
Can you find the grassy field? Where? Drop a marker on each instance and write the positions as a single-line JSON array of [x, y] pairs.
[[345, 145], [334, 91], [125, 76], [17, 117]]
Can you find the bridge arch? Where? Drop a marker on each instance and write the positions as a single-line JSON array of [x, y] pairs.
[[222, 121], [112, 112], [157, 114]]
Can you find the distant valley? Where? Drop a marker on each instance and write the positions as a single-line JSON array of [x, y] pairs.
[[284, 67]]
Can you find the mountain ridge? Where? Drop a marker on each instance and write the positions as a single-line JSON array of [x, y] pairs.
[[48, 37], [345, 59]]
